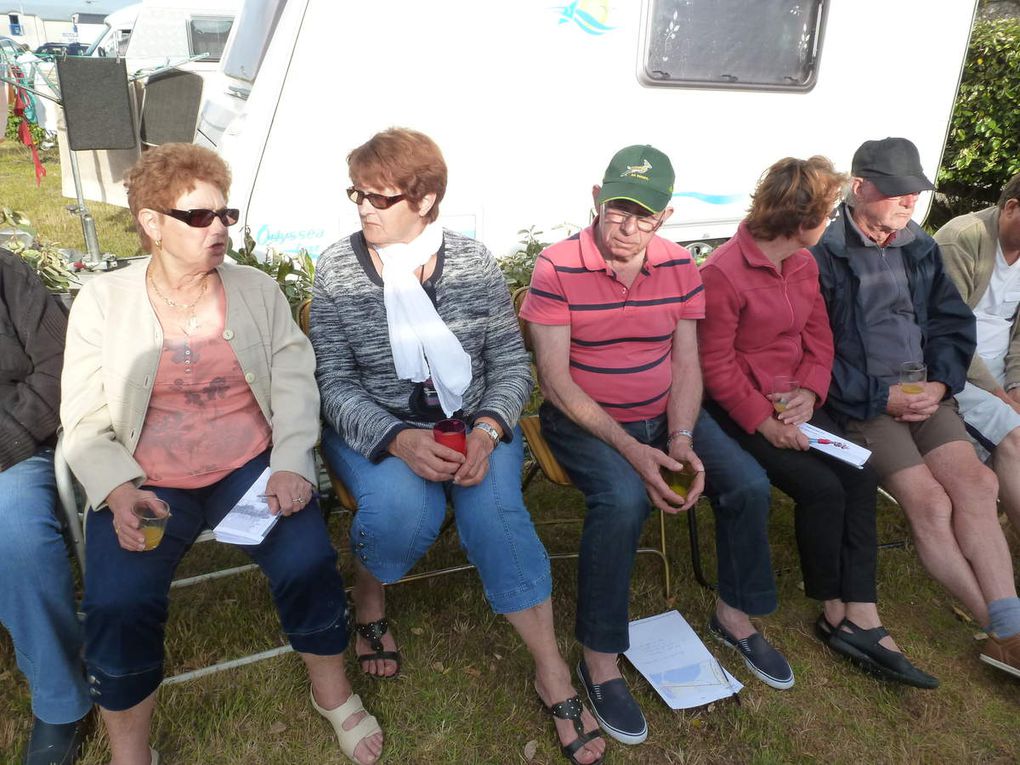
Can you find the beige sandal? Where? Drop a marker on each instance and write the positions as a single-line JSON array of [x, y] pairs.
[[153, 756], [349, 739]]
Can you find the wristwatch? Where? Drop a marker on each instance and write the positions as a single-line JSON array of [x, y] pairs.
[[490, 431]]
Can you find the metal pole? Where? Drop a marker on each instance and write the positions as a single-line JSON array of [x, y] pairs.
[[88, 225]]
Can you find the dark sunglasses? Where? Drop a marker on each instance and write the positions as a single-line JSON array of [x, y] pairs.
[[201, 218], [378, 201]]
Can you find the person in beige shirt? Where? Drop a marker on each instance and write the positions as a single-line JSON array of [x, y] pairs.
[[184, 381]]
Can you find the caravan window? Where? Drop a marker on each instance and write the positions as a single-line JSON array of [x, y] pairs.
[[757, 44], [208, 34], [254, 31]]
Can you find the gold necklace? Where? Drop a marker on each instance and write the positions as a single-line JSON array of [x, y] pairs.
[[192, 322]]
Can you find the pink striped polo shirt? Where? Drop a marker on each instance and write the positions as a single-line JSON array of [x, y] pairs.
[[621, 339]]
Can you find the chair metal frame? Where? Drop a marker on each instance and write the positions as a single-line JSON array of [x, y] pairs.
[[544, 460], [74, 511]]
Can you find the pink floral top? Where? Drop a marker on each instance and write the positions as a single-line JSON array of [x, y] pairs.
[[203, 420]]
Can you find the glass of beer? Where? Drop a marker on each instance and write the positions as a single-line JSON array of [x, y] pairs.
[[451, 433], [152, 514], [913, 375], [783, 389], [679, 480]]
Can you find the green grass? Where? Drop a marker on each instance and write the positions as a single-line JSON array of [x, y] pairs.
[[465, 694], [46, 207]]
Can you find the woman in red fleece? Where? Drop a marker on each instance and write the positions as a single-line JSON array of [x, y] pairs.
[[765, 319]]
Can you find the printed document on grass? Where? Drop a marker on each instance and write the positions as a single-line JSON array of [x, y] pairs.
[[249, 520], [679, 667]]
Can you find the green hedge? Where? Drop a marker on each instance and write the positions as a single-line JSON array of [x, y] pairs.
[[983, 150]]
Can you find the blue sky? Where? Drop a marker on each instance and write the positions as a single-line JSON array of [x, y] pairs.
[[63, 10]]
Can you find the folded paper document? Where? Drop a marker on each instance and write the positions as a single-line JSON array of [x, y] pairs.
[[835, 446], [249, 521]]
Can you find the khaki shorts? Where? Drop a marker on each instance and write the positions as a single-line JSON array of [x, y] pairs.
[[896, 445]]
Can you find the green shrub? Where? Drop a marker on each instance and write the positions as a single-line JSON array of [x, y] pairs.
[[983, 149], [295, 274]]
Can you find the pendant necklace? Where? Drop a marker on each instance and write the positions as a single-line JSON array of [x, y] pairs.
[[191, 323]]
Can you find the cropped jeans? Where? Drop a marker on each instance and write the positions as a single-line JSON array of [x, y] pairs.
[[617, 506], [36, 597], [400, 515], [127, 593]]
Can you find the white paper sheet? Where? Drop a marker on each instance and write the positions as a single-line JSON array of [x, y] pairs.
[[679, 667], [249, 520], [840, 448]]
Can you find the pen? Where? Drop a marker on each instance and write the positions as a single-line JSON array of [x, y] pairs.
[[820, 441]]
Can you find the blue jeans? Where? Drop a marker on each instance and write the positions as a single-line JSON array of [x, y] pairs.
[[36, 597], [127, 593], [617, 507], [400, 514]]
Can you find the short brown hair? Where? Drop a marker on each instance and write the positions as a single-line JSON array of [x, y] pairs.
[[791, 194], [163, 174], [402, 159], [1010, 191]]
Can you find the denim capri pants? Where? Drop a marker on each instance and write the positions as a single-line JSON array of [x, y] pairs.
[[400, 515], [127, 593]]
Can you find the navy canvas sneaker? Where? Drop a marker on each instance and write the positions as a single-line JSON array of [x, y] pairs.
[[614, 708], [764, 661]]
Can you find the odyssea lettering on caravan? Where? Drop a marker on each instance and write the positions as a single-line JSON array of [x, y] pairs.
[[292, 240]]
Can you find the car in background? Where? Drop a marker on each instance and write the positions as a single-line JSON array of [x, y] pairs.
[[52, 50]]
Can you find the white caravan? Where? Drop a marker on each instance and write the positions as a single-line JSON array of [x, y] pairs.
[[529, 100]]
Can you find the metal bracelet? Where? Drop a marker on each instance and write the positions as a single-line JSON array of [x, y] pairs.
[[677, 434]]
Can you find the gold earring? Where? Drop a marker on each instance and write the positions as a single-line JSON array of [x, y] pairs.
[[158, 243]]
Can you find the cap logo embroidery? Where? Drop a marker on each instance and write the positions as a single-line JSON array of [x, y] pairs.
[[638, 171]]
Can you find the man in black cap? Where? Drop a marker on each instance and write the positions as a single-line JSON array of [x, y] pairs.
[[891, 304]]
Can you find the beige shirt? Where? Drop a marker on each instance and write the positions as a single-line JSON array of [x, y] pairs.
[[114, 342]]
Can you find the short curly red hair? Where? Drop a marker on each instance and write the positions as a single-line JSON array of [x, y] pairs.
[[792, 194], [405, 160], [162, 175]]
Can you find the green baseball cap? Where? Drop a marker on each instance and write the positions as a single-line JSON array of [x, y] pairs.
[[641, 174]]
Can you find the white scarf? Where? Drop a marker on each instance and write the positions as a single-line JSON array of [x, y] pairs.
[[421, 343]]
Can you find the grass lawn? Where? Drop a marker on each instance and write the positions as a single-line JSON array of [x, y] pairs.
[[465, 694]]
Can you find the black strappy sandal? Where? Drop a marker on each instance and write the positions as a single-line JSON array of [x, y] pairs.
[[373, 632], [571, 710]]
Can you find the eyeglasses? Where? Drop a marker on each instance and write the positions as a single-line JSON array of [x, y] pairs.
[[646, 223], [201, 218], [378, 201]]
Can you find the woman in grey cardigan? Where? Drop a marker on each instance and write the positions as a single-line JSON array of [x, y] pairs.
[[411, 325]]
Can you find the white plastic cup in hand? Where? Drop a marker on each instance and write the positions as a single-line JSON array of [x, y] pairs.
[[152, 515], [913, 376], [783, 389]]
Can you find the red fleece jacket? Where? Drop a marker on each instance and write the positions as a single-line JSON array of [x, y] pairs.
[[759, 324]]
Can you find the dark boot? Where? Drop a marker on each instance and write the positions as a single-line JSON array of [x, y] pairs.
[[52, 744]]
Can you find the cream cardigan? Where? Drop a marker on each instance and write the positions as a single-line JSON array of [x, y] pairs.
[[113, 348]]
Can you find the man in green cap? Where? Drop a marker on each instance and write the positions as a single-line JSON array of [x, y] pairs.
[[613, 312]]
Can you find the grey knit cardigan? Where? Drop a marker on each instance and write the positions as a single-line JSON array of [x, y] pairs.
[[362, 399]]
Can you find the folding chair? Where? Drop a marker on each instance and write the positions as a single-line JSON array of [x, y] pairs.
[[544, 461], [74, 507]]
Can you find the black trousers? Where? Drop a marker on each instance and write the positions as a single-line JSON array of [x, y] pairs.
[[834, 511]]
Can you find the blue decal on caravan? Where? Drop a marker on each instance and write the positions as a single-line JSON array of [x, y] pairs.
[[590, 15], [712, 199]]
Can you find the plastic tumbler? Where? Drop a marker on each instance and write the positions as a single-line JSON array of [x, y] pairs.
[[452, 434], [152, 515]]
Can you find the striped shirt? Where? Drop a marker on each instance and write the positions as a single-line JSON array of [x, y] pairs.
[[621, 338]]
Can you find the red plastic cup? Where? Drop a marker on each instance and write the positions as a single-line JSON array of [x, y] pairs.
[[452, 434]]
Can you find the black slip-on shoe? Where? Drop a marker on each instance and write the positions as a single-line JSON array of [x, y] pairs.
[[53, 744], [614, 707], [764, 661]]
